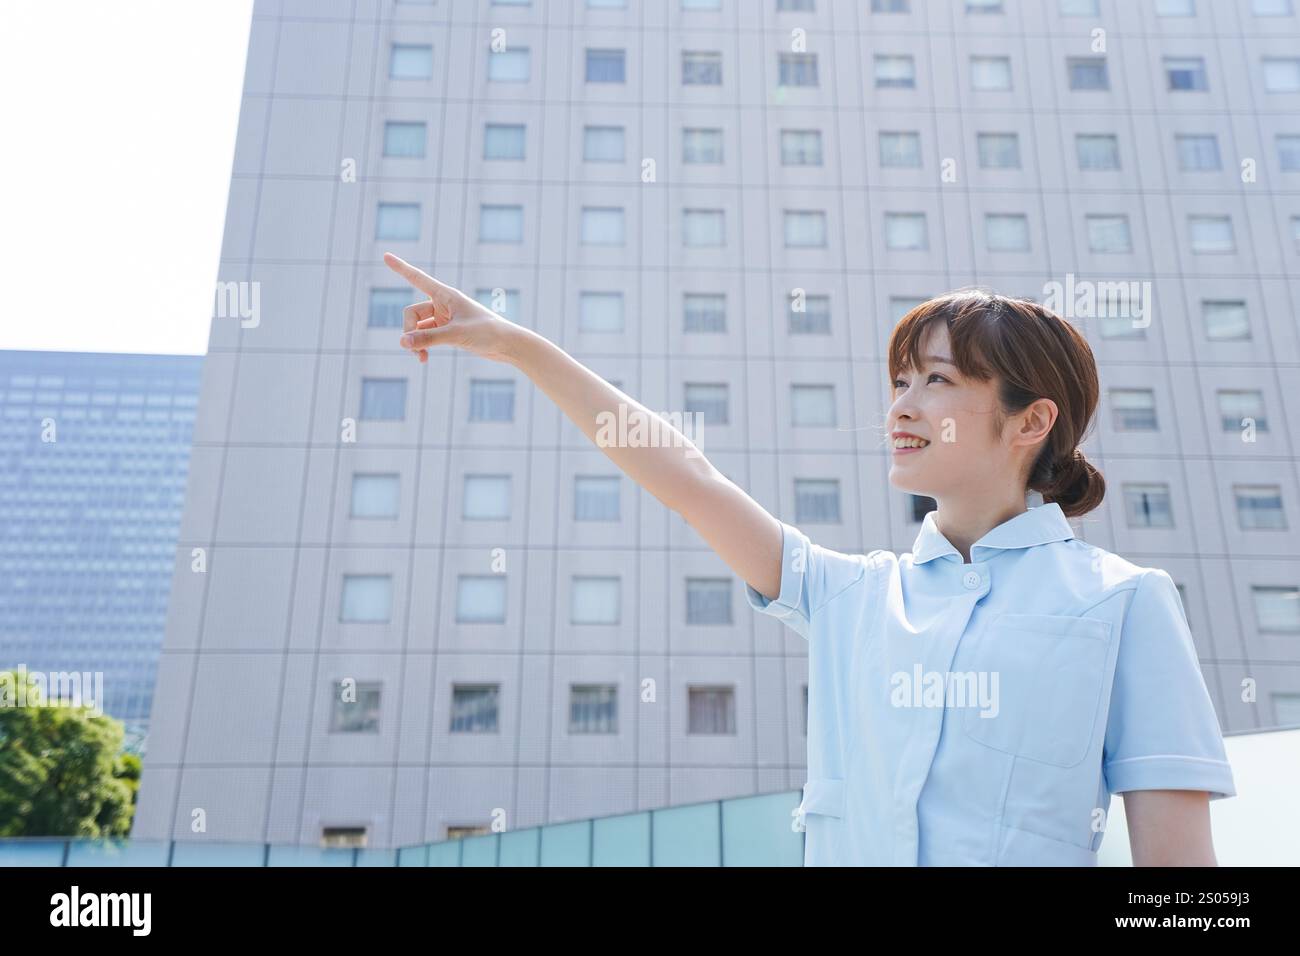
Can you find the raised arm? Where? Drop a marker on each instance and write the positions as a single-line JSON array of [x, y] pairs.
[[672, 469]]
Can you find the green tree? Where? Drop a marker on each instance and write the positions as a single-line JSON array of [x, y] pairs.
[[62, 773]]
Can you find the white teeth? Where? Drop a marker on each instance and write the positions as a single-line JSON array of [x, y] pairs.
[[910, 443]]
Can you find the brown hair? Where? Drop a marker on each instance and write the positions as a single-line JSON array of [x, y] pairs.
[[1033, 353]]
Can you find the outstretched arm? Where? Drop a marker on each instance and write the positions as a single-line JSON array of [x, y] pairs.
[[732, 523]]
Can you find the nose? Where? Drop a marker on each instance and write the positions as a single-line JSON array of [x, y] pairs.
[[902, 409]]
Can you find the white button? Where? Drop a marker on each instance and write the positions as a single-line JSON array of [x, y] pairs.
[[971, 580]]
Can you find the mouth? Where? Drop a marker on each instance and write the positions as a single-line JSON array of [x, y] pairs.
[[907, 444]]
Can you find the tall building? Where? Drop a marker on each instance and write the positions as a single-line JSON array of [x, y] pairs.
[[94, 451], [430, 606]]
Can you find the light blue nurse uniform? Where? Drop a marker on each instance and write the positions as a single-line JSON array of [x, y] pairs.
[[983, 713]]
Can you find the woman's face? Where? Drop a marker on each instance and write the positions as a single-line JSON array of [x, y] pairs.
[[955, 418]]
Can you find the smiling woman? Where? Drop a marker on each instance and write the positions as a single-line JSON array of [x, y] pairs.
[[970, 364], [1097, 685]]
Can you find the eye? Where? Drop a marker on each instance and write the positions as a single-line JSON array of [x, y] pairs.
[[899, 383], [934, 375]]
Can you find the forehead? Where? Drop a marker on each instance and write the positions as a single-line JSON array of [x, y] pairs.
[[934, 341]]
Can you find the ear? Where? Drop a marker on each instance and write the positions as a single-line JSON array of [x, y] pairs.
[[1032, 426]]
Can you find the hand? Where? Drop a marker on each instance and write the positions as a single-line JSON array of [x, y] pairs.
[[448, 317]]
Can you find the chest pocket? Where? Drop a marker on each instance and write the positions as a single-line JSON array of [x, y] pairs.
[[1050, 671]]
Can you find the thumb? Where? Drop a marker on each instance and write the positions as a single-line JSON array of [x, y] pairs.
[[427, 338]]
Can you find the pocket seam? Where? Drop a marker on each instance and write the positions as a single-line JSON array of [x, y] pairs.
[[824, 796], [1067, 627]]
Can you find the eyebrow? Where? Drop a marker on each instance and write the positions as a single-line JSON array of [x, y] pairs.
[[939, 359]]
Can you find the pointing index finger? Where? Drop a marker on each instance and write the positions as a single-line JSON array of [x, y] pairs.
[[421, 280]]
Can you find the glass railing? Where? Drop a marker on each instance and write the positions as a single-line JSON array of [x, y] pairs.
[[1255, 828], [742, 831]]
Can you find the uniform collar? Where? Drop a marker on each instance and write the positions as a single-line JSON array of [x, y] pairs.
[[1039, 525]]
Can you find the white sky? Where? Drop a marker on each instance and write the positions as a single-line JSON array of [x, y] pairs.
[[118, 120]]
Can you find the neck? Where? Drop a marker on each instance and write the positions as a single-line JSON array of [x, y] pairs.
[[964, 521]]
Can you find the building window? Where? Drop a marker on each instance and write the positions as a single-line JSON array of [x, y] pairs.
[[491, 400], [704, 312], [998, 150], [503, 141], [1238, 409], [712, 710], [1211, 234], [708, 601], [1281, 74], [899, 306], [1186, 73], [602, 225], [810, 315], [702, 227], [1133, 409], [383, 399], [805, 229], [701, 68], [906, 231], [895, 72], [1148, 506], [801, 147], [404, 140], [410, 62], [891, 6], [812, 406], [1120, 326], [1087, 73], [486, 498], [481, 599], [603, 144], [816, 501], [606, 66], [504, 302], [1097, 151], [355, 709], [1288, 153], [1259, 507], [709, 401], [1277, 609], [1198, 152], [1080, 8], [797, 69], [386, 306], [1286, 710], [701, 146], [1225, 321], [375, 496], [595, 600], [400, 221], [593, 709], [595, 498], [474, 708], [600, 312], [499, 223], [367, 599], [990, 73], [1109, 234], [1175, 8], [919, 506], [900, 149], [1271, 8], [510, 66], [1006, 232]]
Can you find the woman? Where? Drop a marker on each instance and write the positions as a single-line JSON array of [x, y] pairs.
[[978, 700]]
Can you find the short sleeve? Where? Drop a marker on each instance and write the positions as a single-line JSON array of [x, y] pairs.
[[810, 576], [1162, 732]]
